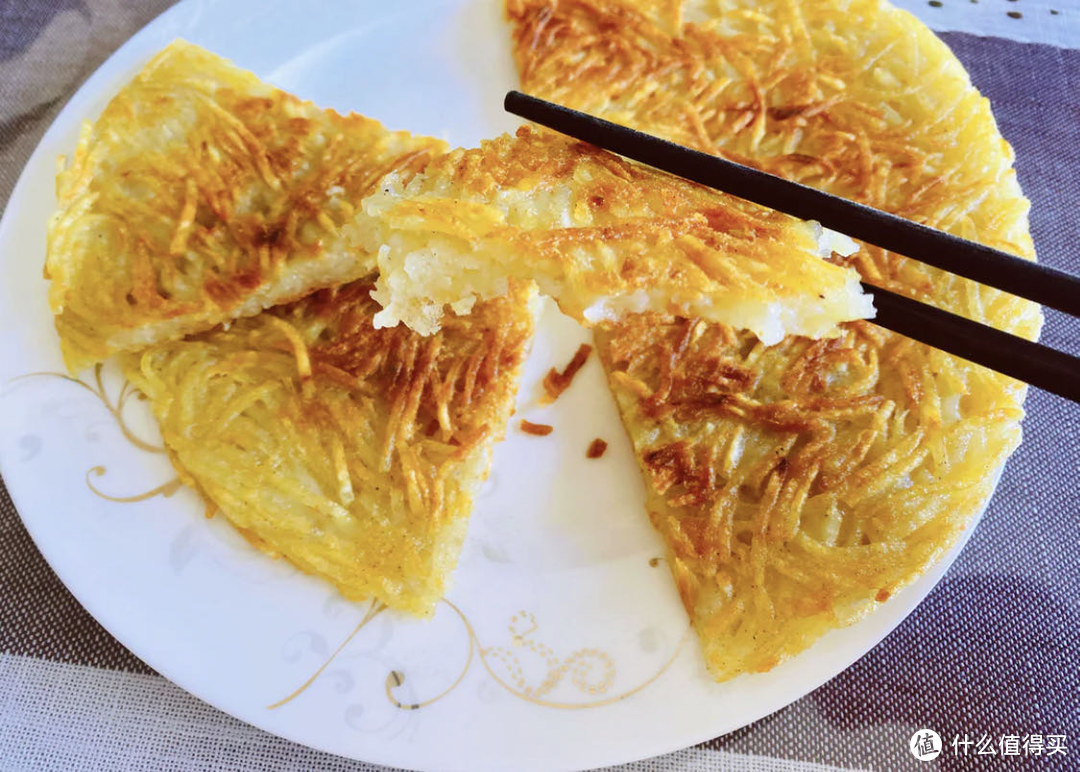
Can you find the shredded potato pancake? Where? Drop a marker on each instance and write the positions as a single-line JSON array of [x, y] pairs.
[[604, 236], [798, 486], [202, 194], [350, 451]]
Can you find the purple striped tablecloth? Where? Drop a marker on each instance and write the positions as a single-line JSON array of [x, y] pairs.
[[994, 650]]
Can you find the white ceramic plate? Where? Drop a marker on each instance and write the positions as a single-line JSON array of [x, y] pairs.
[[562, 643]]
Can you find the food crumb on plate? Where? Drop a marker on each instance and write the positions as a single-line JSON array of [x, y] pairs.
[[555, 382], [540, 430]]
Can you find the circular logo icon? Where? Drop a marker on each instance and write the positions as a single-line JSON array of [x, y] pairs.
[[925, 745]]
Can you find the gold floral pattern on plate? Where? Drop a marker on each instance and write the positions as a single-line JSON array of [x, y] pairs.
[[591, 670], [115, 406]]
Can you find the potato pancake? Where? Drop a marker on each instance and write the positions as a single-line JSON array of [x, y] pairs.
[[799, 485], [202, 194], [603, 236], [352, 452]]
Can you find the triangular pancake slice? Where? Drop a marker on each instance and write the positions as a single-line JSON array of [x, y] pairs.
[[352, 452], [602, 235], [202, 194], [801, 485]]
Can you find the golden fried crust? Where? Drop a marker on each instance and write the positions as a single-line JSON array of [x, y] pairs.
[[352, 452], [202, 194], [603, 236], [800, 485]]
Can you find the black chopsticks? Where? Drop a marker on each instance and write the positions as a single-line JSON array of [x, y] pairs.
[[1049, 369], [992, 267], [1038, 365]]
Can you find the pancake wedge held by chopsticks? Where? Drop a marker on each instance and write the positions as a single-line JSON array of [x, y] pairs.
[[603, 236], [202, 194], [799, 486], [352, 452]]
